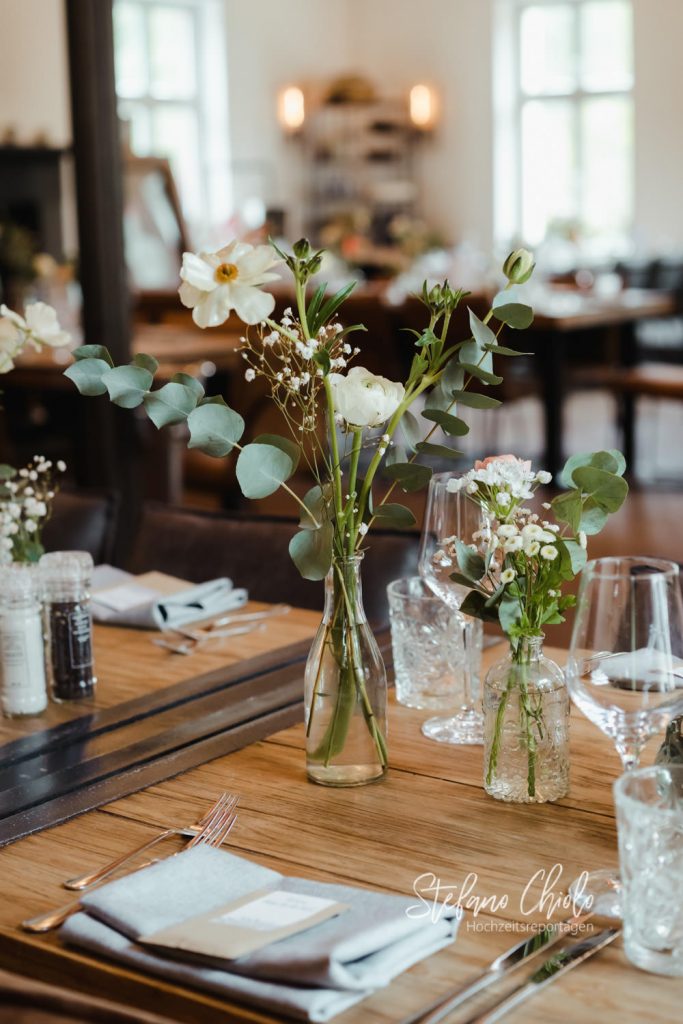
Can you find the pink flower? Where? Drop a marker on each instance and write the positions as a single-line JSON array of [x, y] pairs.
[[524, 464]]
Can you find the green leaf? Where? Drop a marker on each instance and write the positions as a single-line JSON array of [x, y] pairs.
[[509, 613], [610, 461], [285, 444], [213, 400], [567, 509], [190, 382], [87, 376], [146, 362], [452, 425], [578, 556], [439, 451], [464, 581], [475, 400], [93, 352], [477, 351], [593, 518], [322, 359], [482, 375], [426, 338], [317, 502], [453, 376], [127, 385], [7, 472], [327, 311], [215, 428], [409, 475], [607, 490], [261, 468], [470, 561], [501, 350], [475, 605], [396, 515], [311, 551], [514, 314], [316, 302], [411, 429], [172, 403], [481, 332]]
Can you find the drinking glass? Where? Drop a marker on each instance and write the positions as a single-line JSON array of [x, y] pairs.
[[625, 670], [649, 804], [453, 515], [427, 644]]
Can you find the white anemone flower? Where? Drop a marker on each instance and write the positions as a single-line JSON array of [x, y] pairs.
[[215, 283], [39, 324]]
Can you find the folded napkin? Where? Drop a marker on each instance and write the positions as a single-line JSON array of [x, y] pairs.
[[312, 975], [120, 599]]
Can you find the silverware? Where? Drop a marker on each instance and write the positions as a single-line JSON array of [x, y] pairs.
[[521, 953], [194, 642], [226, 620], [220, 821], [84, 881], [550, 971]]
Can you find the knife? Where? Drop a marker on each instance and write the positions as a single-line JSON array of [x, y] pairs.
[[521, 953], [555, 966]]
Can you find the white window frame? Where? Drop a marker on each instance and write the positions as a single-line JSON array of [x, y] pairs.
[[509, 102]]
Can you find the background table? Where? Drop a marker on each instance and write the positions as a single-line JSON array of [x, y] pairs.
[[429, 815]]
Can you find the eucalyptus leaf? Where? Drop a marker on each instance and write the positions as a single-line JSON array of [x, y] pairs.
[[610, 461], [480, 374], [317, 502], [607, 490], [146, 362], [285, 444], [87, 375], [502, 350], [438, 451], [578, 556], [311, 551], [190, 382], [395, 515], [127, 385], [470, 561], [475, 605], [452, 425], [93, 352], [593, 518], [509, 613], [514, 314], [411, 429], [475, 400], [215, 428], [453, 376], [172, 403], [409, 475], [567, 509], [7, 472], [261, 468]]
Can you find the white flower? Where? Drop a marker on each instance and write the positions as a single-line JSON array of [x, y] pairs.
[[216, 283], [507, 576], [249, 374], [472, 487], [547, 536], [30, 526], [11, 343], [454, 484], [532, 548], [507, 530], [364, 399], [40, 324], [549, 552], [363, 529], [503, 499], [543, 476], [513, 544], [583, 539]]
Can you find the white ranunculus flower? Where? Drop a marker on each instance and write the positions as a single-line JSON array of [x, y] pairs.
[[215, 283], [39, 325], [364, 399]]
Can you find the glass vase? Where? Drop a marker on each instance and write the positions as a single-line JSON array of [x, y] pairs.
[[345, 688], [526, 726]]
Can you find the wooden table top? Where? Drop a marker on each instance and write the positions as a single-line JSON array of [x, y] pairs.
[[567, 310], [430, 815]]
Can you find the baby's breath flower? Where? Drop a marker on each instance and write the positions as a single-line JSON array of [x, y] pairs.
[[583, 539], [249, 374]]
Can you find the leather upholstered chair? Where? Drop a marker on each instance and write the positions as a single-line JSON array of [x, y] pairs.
[[82, 520], [252, 551]]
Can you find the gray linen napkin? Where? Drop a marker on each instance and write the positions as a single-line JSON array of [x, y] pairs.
[[159, 611], [313, 975]]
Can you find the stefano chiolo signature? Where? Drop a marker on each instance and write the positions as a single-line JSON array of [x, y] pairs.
[[542, 894]]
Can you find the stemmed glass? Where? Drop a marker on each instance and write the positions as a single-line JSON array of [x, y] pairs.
[[452, 514], [625, 669]]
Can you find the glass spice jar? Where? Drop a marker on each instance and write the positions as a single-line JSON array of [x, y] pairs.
[[22, 649], [66, 579]]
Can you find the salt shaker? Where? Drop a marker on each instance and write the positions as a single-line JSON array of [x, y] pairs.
[[22, 650], [66, 578]]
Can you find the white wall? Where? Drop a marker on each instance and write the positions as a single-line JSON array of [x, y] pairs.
[[34, 92]]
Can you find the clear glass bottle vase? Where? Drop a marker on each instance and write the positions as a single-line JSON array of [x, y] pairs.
[[526, 726], [345, 688]]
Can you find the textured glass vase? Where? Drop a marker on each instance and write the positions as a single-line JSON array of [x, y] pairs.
[[345, 688], [526, 726]]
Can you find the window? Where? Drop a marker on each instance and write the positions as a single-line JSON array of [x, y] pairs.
[[567, 134], [170, 82]]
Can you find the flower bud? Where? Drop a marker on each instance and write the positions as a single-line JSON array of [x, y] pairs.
[[519, 266], [301, 249]]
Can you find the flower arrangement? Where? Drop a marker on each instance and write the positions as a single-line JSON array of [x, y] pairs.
[[38, 327], [26, 497], [517, 566], [344, 423]]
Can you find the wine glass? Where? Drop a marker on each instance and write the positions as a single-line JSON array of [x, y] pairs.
[[625, 669], [452, 514]]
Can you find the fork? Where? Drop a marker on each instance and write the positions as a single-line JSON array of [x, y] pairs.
[[237, 618], [220, 821], [192, 643], [85, 881]]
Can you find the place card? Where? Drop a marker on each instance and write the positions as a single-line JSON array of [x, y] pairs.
[[246, 925]]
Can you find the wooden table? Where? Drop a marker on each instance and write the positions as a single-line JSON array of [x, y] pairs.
[[429, 815]]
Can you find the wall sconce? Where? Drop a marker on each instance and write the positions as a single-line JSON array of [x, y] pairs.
[[422, 105], [291, 108]]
